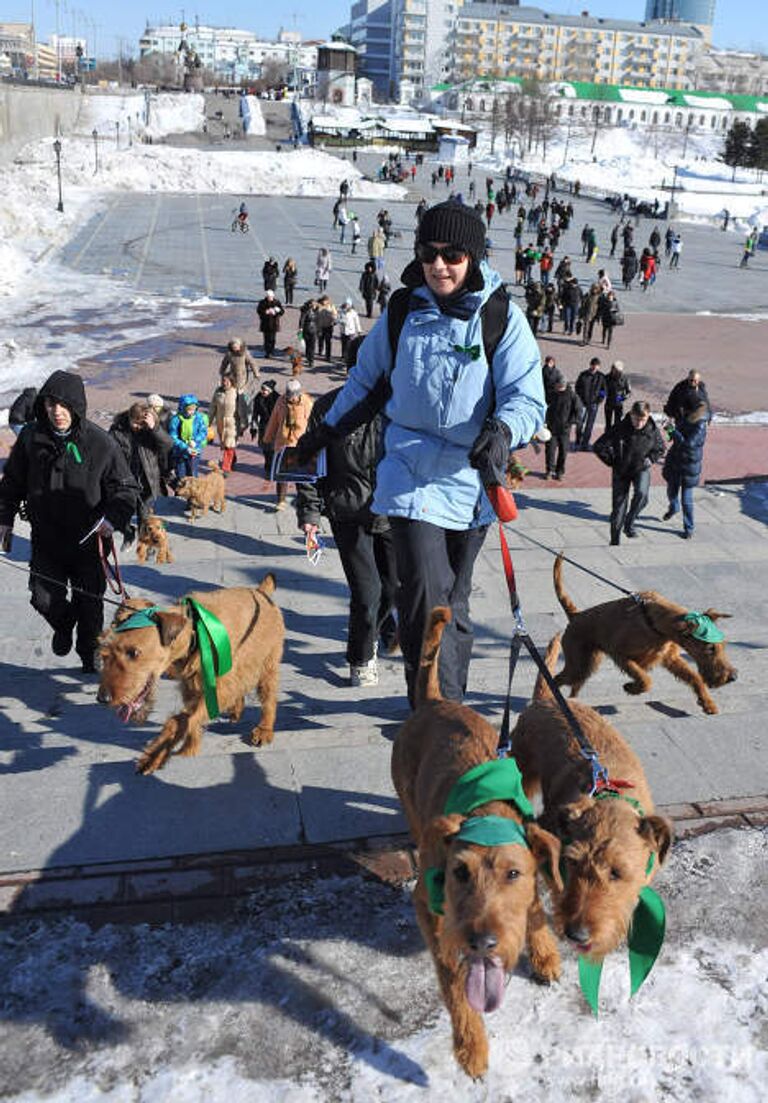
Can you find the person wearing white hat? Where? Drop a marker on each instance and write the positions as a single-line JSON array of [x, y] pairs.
[[349, 326]]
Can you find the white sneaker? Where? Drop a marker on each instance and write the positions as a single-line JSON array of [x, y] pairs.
[[365, 675]]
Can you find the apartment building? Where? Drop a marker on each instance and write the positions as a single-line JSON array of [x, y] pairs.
[[370, 32], [527, 42], [732, 71], [421, 30]]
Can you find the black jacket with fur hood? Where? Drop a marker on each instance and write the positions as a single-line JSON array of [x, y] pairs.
[[67, 481]]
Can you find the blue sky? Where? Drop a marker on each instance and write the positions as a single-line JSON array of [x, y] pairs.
[[738, 23]]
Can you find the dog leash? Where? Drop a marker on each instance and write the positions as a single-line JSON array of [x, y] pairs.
[[111, 566], [57, 582], [580, 566], [522, 636]]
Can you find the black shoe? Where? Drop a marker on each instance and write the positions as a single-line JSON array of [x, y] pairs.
[[687, 535], [631, 533], [61, 644], [615, 541], [668, 514]]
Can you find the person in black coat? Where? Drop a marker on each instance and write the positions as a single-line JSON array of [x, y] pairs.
[[369, 285], [76, 486], [564, 409], [270, 272], [683, 463], [147, 449], [629, 267], [630, 448], [570, 297], [685, 396], [363, 539], [263, 405], [269, 310], [590, 387], [22, 409], [617, 391]]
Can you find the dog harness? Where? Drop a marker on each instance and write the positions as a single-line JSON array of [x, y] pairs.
[[489, 781], [211, 637], [646, 932]]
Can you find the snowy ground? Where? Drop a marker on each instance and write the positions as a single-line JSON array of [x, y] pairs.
[[323, 991]]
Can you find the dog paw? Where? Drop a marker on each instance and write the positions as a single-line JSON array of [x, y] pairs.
[[472, 1055], [148, 763], [710, 708], [546, 967], [261, 737]]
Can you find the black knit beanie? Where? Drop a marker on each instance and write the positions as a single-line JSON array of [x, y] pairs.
[[454, 224]]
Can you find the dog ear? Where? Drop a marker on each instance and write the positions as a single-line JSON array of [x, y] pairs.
[[714, 615], [437, 835], [169, 625], [545, 847], [658, 833]]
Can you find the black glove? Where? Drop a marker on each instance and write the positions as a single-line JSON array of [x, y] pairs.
[[313, 441], [254, 432], [490, 452]]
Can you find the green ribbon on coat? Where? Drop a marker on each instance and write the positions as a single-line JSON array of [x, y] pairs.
[[73, 451]]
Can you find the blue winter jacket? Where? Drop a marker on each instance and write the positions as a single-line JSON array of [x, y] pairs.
[[199, 426], [684, 459], [440, 398]]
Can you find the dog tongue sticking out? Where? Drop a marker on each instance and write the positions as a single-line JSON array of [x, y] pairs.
[[485, 983]]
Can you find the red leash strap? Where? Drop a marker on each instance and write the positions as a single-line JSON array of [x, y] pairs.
[[509, 570], [111, 569]]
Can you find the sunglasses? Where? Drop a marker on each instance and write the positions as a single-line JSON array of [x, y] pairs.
[[451, 254]]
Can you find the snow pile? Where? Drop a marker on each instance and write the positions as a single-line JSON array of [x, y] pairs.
[[169, 113], [253, 119]]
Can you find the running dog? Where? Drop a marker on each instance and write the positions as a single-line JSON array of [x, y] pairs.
[[203, 492], [167, 643], [638, 633], [613, 844], [491, 906], [153, 541]]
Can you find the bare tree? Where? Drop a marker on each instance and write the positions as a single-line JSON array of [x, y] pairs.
[[530, 117]]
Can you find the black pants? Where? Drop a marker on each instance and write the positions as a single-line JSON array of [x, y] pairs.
[[370, 568], [434, 566], [587, 425], [368, 306], [555, 450], [81, 568], [288, 287], [621, 516], [613, 414], [324, 343], [269, 341], [310, 343]]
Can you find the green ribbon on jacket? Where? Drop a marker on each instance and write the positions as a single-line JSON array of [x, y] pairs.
[[73, 451]]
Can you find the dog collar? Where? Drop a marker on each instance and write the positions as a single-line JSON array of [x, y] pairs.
[[480, 831], [704, 628]]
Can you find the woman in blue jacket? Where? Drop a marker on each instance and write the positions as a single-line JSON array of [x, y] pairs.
[[452, 420], [682, 464], [188, 429]]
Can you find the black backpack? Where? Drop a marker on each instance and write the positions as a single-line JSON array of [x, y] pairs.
[[493, 316]]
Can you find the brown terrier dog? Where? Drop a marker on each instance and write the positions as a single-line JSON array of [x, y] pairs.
[[297, 360], [204, 492], [638, 633], [607, 840], [491, 906], [134, 659], [153, 540]]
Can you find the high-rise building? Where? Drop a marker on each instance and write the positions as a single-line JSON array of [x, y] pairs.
[[700, 13], [370, 34]]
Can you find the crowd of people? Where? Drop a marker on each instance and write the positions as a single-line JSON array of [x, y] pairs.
[[423, 427]]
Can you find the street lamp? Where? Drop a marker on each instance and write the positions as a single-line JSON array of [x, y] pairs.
[[57, 151], [130, 135], [672, 194], [117, 133], [95, 150]]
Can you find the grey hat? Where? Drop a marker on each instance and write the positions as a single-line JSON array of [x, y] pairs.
[[293, 386]]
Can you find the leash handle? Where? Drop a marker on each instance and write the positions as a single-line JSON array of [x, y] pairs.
[[111, 567], [503, 502]]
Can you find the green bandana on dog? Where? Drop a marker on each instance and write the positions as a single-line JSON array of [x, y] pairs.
[[704, 628], [496, 780]]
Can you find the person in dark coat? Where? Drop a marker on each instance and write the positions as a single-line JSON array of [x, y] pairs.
[[308, 328], [570, 297], [22, 410], [610, 316], [77, 487], [270, 272], [261, 412], [550, 373], [363, 539], [629, 267], [683, 463], [590, 387], [564, 409], [290, 276], [269, 310], [147, 450], [630, 448], [369, 285], [685, 396], [617, 391]]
